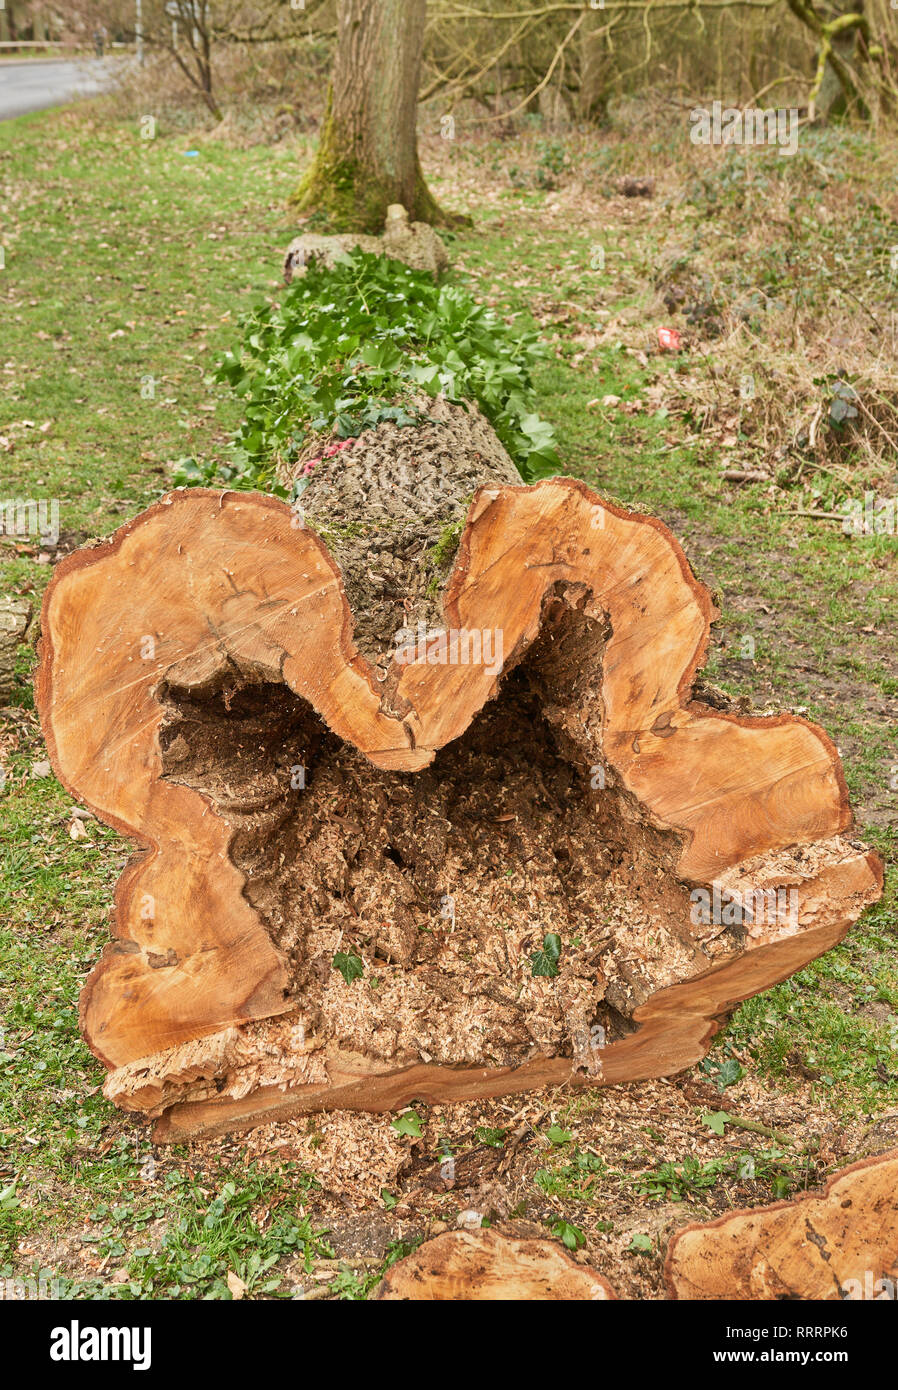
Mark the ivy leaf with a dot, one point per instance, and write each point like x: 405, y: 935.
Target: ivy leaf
x: 492, y: 1138
x: 725, y: 1073
x: 716, y: 1121
x: 350, y: 967
x: 545, y: 962
x: 730, y: 1072
x: 409, y: 1123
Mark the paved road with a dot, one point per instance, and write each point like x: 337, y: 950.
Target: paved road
x: 32, y: 85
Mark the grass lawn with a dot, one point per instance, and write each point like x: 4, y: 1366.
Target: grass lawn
x: 127, y: 262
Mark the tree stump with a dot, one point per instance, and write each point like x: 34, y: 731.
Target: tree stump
x: 842, y: 1244
x: 426, y: 804
x: 479, y: 1266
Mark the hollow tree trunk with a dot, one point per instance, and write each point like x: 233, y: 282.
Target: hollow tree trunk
x: 367, y: 156
x: 502, y: 849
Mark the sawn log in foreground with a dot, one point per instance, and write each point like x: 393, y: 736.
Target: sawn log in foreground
x: 426, y: 805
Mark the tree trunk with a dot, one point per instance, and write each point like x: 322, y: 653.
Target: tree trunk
x: 839, y: 32
x: 593, y: 102
x: 426, y: 805
x: 836, y: 89
x: 485, y: 1266
x: 367, y: 156
x: 841, y: 1244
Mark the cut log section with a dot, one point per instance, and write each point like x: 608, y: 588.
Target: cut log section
x: 476, y: 1266
x: 842, y: 1244
x: 426, y: 804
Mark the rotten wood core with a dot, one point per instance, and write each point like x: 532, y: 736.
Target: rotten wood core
x: 476, y: 1266
x: 841, y: 1244
x: 302, y: 783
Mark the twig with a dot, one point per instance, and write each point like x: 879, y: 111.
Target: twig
x: 755, y: 1127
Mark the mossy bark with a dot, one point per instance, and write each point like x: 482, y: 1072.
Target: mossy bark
x: 367, y: 156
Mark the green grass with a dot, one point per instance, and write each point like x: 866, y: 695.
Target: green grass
x: 125, y: 265
x: 181, y: 1238
x: 814, y: 1017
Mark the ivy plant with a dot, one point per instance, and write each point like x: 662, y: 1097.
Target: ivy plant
x: 350, y: 346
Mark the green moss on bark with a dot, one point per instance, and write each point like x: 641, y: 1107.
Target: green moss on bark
x: 348, y: 196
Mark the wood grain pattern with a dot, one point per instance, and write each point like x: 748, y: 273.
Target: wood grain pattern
x: 479, y: 1266
x: 841, y: 1243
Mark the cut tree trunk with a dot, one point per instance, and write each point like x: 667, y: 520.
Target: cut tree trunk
x: 427, y: 804
x: 367, y: 154
x: 476, y: 1266
x: 841, y: 1244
